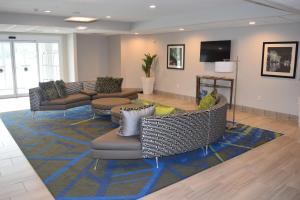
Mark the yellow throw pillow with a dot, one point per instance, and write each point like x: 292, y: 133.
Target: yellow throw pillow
x: 146, y: 103
x: 163, y: 110
x: 207, y: 102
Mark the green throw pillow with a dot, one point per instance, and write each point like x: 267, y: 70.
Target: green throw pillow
x: 48, y: 90
x: 61, y: 88
x: 207, y: 102
x: 163, y: 110
x: 108, y: 84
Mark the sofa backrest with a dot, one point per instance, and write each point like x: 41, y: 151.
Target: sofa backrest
x: 182, y: 132
x: 74, y: 87
x: 89, y: 85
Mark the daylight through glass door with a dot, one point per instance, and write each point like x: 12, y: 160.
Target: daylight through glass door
x: 24, y: 64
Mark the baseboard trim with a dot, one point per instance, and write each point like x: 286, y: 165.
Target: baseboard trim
x: 267, y: 113
x: 178, y: 96
x: 261, y: 112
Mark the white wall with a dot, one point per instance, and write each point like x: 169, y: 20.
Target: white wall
x: 71, y: 56
x: 114, y: 56
x: 92, y: 56
x: 274, y: 94
x: 132, y: 52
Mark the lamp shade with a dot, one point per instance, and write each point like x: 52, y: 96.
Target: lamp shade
x: 225, y: 67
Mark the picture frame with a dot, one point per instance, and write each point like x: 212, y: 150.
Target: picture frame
x: 175, y: 56
x: 279, y: 59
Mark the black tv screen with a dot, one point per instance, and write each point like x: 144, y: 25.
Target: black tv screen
x: 213, y: 51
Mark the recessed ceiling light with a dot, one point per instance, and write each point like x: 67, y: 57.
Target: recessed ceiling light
x: 181, y: 29
x: 107, y: 17
x: 47, y: 11
x: 152, y: 6
x: 81, y: 19
x: 136, y: 33
x: 252, y: 23
x: 81, y: 28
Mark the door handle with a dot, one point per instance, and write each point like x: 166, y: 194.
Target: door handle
x: 25, y: 69
x: 1, y: 70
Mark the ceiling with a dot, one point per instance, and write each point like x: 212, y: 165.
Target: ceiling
x: 130, y: 16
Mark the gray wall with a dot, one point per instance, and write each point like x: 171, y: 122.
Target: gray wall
x: 274, y: 94
x: 92, y: 56
x: 114, y: 56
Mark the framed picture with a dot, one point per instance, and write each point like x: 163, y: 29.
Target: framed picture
x: 279, y: 59
x: 176, y: 56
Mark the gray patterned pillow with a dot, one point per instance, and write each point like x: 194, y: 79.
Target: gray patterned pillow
x: 130, y: 123
x: 89, y: 85
x: 61, y: 88
x: 108, y: 84
x: 48, y: 91
x: 74, y: 87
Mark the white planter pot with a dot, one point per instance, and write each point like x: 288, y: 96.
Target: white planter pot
x: 148, y: 84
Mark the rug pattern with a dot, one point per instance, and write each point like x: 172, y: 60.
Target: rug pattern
x: 58, y: 149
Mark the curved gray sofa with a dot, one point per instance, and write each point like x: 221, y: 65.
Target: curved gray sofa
x: 78, y: 94
x: 165, y: 135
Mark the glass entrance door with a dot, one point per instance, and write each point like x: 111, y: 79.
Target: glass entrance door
x: 26, y: 64
x: 6, y: 70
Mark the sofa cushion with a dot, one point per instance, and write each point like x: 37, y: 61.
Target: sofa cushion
x: 164, y: 110
x: 48, y: 90
x: 88, y: 92
x: 89, y: 85
x: 113, y: 141
x: 124, y: 93
x: 61, y: 88
x: 67, y: 100
x: 108, y: 84
x: 130, y: 123
x: 207, y: 102
x: 74, y: 87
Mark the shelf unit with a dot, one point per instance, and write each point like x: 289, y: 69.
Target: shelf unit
x: 215, y: 85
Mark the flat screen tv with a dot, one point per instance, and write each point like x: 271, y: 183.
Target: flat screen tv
x: 213, y: 51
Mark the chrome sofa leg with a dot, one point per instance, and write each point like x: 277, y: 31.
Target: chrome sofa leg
x: 33, y: 114
x: 65, y: 113
x: 206, y: 149
x: 96, y: 165
x: 156, y: 160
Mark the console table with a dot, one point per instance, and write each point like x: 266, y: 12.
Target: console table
x: 214, y: 84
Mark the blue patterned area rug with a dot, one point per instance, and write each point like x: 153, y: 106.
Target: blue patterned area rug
x: 58, y: 149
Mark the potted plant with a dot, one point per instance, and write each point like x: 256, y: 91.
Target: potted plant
x: 148, y: 81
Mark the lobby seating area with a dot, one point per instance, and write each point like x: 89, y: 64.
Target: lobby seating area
x: 138, y: 99
x: 78, y: 94
x: 165, y: 135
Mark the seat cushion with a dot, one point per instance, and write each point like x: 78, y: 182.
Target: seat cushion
x: 88, y: 92
x: 124, y: 93
x: 67, y: 100
x: 113, y: 141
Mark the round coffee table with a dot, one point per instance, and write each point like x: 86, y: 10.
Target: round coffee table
x: 115, y: 111
x: 103, y: 106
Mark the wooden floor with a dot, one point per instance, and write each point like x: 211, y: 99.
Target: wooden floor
x: 271, y: 171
